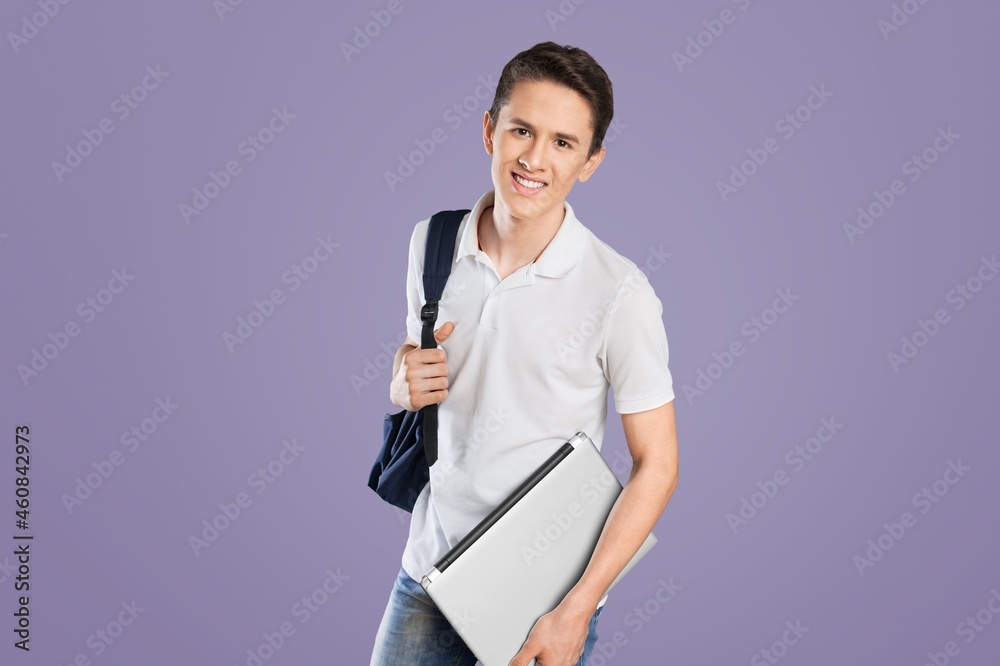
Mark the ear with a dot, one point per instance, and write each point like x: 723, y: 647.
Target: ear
x: 591, y: 165
x: 487, y: 132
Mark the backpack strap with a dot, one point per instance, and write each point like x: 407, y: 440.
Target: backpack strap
x: 439, y: 254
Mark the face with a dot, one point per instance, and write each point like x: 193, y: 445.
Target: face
x: 546, y: 125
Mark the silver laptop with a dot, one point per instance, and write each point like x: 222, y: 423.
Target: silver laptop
x: 519, y: 562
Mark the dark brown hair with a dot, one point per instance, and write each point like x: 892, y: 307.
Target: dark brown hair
x: 566, y: 65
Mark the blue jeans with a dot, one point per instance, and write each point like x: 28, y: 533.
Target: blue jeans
x: 415, y: 633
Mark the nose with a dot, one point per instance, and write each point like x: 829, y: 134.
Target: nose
x: 534, y: 156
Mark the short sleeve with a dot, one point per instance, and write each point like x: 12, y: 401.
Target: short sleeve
x: 414, y: 281
x: 635, y: 352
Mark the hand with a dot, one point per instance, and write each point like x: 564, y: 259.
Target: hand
x: 556, y: 639
x: 422, y: 378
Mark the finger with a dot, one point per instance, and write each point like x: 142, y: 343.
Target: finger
x: 422, y: 399
x: 525, y: 655
x: 429, y: 385
x: 442, y: 333
x: 426, y: 356
x: 426, y: 371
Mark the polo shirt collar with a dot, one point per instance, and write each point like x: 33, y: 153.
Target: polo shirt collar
x: 559, y: 257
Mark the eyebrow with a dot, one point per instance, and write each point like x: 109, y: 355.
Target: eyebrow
x: 559, y: 135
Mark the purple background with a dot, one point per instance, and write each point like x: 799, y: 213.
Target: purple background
x: 679, y: 133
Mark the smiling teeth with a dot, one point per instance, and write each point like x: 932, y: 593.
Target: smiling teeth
x: 528, y: 183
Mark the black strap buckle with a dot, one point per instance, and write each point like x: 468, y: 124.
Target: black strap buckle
x: 429, y: 312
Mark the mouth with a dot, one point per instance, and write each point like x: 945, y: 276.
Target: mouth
x: 526, y: 186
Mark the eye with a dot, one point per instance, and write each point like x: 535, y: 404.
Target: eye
x: 520, y: 129
x: 565, y: 145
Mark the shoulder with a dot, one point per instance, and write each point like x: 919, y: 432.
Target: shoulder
x: 613, y: 267
x: 418, y: 238
x: 418, y: 235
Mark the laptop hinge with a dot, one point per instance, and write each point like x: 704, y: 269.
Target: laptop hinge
x: 429, y: 577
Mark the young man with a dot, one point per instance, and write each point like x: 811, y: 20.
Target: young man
x: 540, y: 319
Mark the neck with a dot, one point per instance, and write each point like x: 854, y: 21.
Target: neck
x: 512, y: 243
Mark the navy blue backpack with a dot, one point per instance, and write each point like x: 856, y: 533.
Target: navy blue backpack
x: 409, y: 445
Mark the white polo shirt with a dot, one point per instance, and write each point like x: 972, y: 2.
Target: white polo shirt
x: 529, y: 364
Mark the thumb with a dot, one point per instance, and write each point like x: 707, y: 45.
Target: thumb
x: 442, y: 333
x: 522, y: 658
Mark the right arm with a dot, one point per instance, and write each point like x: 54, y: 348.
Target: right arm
x: 419, y: 376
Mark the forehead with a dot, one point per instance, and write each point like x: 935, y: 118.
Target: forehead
x: 549, y: 106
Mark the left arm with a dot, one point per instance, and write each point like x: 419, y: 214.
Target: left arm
x: 652, y: 440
